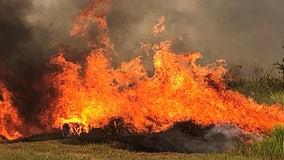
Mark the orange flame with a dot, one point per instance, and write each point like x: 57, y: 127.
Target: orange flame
x: 95, y: 13
x: 10, y: 122
x: 179, y: 91
x: 159, y: 27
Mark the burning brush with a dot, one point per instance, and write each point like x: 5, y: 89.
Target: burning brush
x: 152, y: 110
x: 182, y: 137
x: 74, y: 129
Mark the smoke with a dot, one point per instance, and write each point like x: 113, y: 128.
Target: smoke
x: 246, y: 33
x: 242, y: 32
x: 13, y: 30
x: 17, y: 53
x: 190, y: 138
x: 31, y: 32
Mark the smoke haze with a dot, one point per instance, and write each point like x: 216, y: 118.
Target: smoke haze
x: 242, y: 32
x: 247, y: 32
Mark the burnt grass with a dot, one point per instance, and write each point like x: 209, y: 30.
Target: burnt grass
x: 183, y: 137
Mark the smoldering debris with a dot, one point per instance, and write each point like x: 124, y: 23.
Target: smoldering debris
x: 192, y: 139
x: 183, y: 137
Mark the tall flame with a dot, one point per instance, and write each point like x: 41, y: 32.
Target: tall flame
x: 10, y: 122
x: 180, y: 90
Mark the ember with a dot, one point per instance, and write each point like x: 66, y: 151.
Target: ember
x: 69, y: 129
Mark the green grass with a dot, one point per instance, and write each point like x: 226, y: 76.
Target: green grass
x: 60, y: 150
x: 271, y: 147
x: 277, y: 97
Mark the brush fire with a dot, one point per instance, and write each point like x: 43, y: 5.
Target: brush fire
x: 181, y: 98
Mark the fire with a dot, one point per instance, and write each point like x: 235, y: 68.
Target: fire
x: 10, y: 122
x: 93, y: 93
x: 159, y: 27
x: 180, y: 90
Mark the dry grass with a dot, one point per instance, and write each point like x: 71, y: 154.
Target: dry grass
x: 62, y: 149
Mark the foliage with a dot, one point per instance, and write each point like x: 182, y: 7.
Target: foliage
x: 266, y: 89
x: 271, y: 147
x: 265, y: 86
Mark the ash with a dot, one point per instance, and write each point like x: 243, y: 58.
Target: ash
x: 187, y: 137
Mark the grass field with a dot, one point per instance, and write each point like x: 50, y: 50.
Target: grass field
x: 63, y: 150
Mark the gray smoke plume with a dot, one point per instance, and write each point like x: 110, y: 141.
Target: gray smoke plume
x: 30, y: 32
x: 246, y: 33
x: 17, y: 52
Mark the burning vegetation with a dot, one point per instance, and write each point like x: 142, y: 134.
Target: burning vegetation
x: 82, y: 96
x: 10, y: 122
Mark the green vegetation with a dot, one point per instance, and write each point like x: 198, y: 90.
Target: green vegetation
x: 280, y: 66
x: 271, y: 147
x: 266, y: 89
